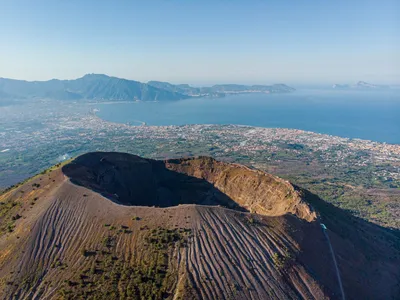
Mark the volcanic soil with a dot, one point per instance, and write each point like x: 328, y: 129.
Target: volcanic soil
x: 114, y: 225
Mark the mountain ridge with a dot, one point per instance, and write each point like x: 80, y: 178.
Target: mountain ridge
x: 101, y: 87
x: 222, y: 89
x: 91, y: 86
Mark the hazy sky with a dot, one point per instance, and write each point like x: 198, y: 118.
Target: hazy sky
x: 199, y: 42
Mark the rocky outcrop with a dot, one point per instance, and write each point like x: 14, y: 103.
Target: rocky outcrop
x: 254, y: 190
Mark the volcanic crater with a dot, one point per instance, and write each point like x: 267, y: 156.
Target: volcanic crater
x: 134, y: 181
x: 109, y: 225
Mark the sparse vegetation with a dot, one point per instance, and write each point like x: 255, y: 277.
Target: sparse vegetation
x: 112, y: 264
x: 282, y: 261
x: 109, y: 242
x: 162, y: 238
x: 16, y: 217
x: 8, y: 215
x: 113, y: 277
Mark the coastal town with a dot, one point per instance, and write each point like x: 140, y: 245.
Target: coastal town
x: 333, y: 167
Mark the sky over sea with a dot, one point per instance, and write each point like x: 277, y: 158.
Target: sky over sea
x: 202, y: 42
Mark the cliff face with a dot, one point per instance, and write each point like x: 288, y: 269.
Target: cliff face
x: 132, y: 180
x: 114, y: 225
x: 256, y: 191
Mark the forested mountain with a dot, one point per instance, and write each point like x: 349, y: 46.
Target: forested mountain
x: 91, y: 87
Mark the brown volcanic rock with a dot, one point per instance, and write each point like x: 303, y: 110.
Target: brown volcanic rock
x: 132, y: 180
x: 257, y: 191
x: 181, y: 229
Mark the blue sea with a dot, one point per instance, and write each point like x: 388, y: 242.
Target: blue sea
x: 371, y: 115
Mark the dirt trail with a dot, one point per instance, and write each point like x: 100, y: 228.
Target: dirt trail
x: 339, y: 278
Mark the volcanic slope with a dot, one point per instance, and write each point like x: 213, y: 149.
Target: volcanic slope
x: 114, y: 225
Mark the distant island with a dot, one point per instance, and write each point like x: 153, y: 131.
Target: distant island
x: 99, y: 87
x: 361, y: 85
